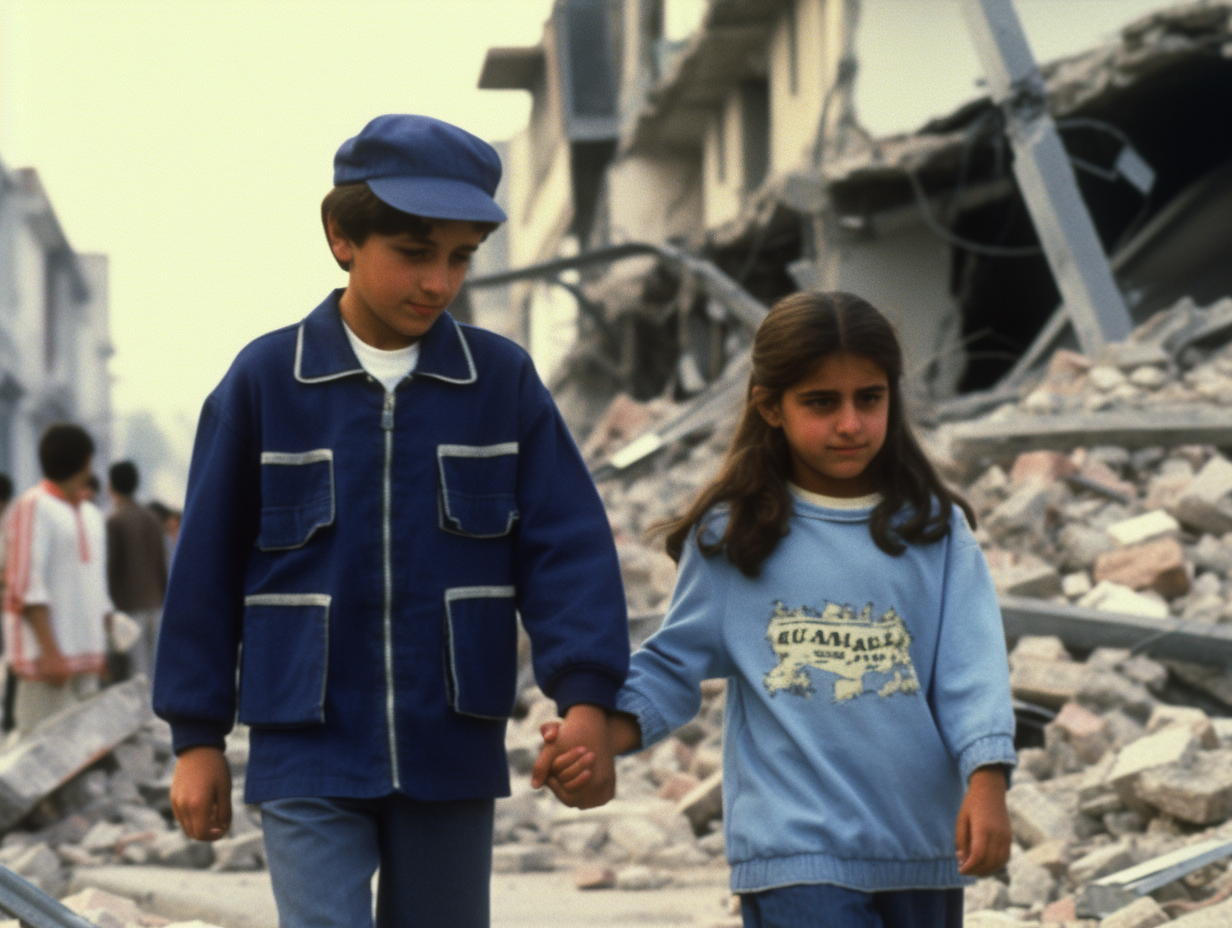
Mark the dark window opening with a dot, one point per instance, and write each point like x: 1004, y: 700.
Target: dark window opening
x: 755, y: 131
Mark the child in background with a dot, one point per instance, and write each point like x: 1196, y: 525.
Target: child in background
x: 830, y: 576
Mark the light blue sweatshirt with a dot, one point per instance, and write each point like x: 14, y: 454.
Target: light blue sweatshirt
x: 863, y: 690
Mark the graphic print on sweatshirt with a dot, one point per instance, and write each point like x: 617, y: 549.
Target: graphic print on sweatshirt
x: 842, y: 643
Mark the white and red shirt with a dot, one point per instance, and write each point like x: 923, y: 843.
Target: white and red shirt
x: 57, y: 558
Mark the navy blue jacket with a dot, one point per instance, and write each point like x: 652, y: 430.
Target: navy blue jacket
x: 371, y: 552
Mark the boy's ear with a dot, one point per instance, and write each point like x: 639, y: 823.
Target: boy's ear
x: 339, y: 244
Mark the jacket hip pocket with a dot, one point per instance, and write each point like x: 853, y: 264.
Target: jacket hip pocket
x: 478, y: 489
x: 481, y: 650
x: 297, y: 497
x: 285, y: 660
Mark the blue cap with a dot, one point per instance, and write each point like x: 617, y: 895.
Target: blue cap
x: 424, y: 166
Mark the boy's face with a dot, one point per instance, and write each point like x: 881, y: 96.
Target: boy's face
x: 399, y: 284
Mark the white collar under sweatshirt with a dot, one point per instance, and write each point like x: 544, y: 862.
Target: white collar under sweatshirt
x: 863, y: 690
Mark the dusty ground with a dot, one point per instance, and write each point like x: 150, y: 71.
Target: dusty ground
x: 541, y: 900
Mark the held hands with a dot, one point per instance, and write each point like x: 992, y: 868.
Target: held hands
x: 201, y: 793
x: 579, y: 748
x: 982, y: 837
x: 566, y: 771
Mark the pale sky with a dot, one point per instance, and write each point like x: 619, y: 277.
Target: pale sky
x: 192, y: 141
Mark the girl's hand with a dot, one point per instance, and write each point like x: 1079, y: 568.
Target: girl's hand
x: 561, y: 772
x: 983, y: 835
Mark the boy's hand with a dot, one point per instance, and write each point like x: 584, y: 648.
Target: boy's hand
x: 201, y: 793
x: 585, y: 726
x: 983, y: 835
x: 566, y: 771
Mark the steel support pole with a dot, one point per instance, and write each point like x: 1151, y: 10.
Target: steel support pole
x: 1046, y: 177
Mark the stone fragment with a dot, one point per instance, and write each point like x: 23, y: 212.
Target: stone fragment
x: 523, y: 858
x: 636, y: 835
x: 1076, y: 584
x: 176, y: 849
x: 1083, y: 729
x: 1146, y: 527
x: 640, y: 878
x: 1167, y: 746
x: 1039, y: 647
x: 1158, y: 565
x: 987, y: 893
x: 41, y: 866
x: 239, y: 852
x: 1148, y: 377
x: 125, y: 910
x: 580, y: 837
x: 1024, y: 511
x: 1108, y: 596
x: 594, y: 876
x: 1047, y: 683
x: 1141, y: 913
x: 1080, y: 545
x: 1036, y: 580
x: 1196, y: 789
x: 1206, y: 502
x: 1053, y: 856
x: 1142, y: 669
x: 704, y: 803
x: 1213, y: 554
x: 67, y: 744
x: 1101, y: 862
x: 1035, y: 818
x: 1029, y: 882
x: 1104, y: 377
x: 1197, y: 721
x: 102, y: 837
x: 1059, y: 910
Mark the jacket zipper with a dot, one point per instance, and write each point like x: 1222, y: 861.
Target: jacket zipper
x: 387, y: 425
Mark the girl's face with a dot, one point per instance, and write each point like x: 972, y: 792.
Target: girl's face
x: 835, y: 423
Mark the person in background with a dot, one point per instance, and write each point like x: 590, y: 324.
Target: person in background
x: 169, y: 519
x: 136, y: 564
x: 89, y: 493
x: 55, y: 598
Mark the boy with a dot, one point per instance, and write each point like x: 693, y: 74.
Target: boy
x: 55, y: 602
x: 375, y: 494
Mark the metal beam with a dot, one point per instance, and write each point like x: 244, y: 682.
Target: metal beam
x: 1046, y: 177
x: 1143, y: 428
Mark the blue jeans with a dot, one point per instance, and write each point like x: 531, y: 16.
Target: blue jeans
x: 822, y: 905
x: 435, y: 860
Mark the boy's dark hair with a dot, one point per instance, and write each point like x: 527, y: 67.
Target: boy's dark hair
x: 800, y: 331
x: 359, y: 213
x: 123, y: 477
x: 64, y: 450
x: 6, y: 489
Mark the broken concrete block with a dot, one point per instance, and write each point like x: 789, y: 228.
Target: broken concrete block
x: 241, y: 852
x: 1076, y: 584
x: 176, y: 849
x: 1039, y: 647
x: 1167, y: 746
x: 1198, y: 722
x: 1081, y: 728
x: 1024, y: 511
x: 1101, y: 862
x: 66, y: 744
x: 1196, y: 789
x: 1206, y: 502
x: 41, y: 866
x: 636, y: 835
x: 1039, y: 581
x: 1146, y: 527
x: 1080, y: 545
x: 704, y: 803
x: 1108, y: 596
x: 1035, y: 818
x: 1029, y: 882
x: 1142, y: 669
x: 988, y: 893
x: 640, y: 878
x: 1047, y: 683
x: 1105, y: 377
x: 1142, y: 913
x: 1053, y: 856
x: 102, y: 837
x: 1158, y: 565
x: 523, y: 858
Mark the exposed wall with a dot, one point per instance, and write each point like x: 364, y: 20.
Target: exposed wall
x: 654, y: 199
x: 800, y: 72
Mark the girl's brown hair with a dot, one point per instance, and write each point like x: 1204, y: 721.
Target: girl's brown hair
x: 799, y: 332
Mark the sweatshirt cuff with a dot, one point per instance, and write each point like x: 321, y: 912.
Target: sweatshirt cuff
x: 185, y: 735
x: 985, y: 752
x: 654, y: 727
x: 584, y: 686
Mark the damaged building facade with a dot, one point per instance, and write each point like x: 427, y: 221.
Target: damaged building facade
x: 741, y: 144
x: 55, y: 342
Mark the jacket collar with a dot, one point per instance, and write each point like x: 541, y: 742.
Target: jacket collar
x: 323, y: 353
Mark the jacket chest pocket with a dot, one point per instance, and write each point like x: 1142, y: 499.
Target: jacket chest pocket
x: 297, y: 497
x: 481, y: 650
x: 478, y: 489
x: 285, y: 660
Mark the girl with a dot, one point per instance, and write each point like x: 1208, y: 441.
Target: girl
x: 831, y: 577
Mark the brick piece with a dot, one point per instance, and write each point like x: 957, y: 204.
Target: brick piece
x: 1206, y: 502
x: 1059, y: 910
x: 1146, y: 527
x: 594, y: 876
x: 1082, y: 728
x: 1044, y: 465
x: 1158, y: 565
x: 1196, y: 789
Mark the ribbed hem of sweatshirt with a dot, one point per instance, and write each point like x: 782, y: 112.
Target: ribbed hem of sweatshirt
x: 653, y: 727
x: 750, y: 876
x: 994, y: 749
